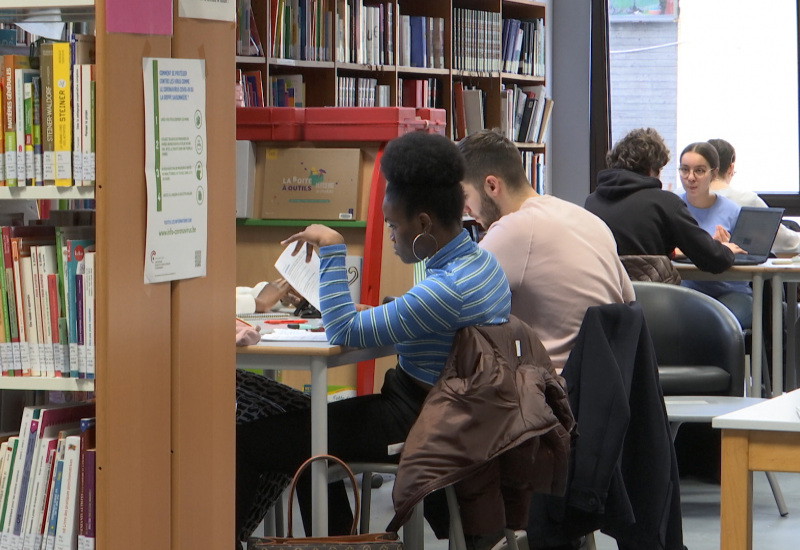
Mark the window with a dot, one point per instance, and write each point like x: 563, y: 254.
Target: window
x: 703, y: 69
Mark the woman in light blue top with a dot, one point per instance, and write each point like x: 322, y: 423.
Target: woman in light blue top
x: 464, y: 285
x: 717, y: 215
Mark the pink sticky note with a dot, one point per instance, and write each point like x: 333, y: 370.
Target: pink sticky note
x: 139, y: 16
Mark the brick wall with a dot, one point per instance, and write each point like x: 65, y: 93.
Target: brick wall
x: 643, y: 65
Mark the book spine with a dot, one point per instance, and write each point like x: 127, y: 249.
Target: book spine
x: 89, y: 312
x: 19, y: 106
x: 28, y: 274
x: 20, y: 303
x: 27, y: 89
x: 67, y: 523
x: 5, y: 479
x: 38, y: 178
x: 52, y: 291
x: 48, y: 120
x: 10, y: 117
x: 79, y: 321
x: 29, y: 459
x: 55, y: 499
x: 77, y: 133
x: 62, y: 123
x: 88, y: 123
x: 11, y: 303
x: 87, y: 539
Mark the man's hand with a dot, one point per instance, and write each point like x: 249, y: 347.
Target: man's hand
x: 315, y: 235
x: 735, y: 248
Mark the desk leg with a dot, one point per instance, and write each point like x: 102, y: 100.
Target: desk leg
x: 758, y: 335
x: 319, y: 445
x: 777, y: 335
x: 736, y: 492
x: 789, y: 326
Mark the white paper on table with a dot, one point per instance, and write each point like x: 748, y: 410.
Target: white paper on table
x: 294, y: 335
x: 301, y: 275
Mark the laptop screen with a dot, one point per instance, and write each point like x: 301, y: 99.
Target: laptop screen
x: 756, y: 228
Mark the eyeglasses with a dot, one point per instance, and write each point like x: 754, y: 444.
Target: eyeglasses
x: 698, y: 171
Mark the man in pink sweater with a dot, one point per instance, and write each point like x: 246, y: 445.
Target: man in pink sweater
x: 559, y: 258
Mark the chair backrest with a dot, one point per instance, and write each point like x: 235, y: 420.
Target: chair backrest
x: 698, y: 342
x: 650, y: 268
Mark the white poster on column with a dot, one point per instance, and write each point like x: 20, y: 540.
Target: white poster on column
x: 218, y: 10
x: 175, y: 169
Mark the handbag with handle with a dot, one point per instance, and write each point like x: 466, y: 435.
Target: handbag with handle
x: 353, y: 541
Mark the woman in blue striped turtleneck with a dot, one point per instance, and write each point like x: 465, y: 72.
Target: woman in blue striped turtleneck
x: 463, y: 286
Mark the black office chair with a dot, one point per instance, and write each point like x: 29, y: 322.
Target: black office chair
x: 699, y: 347
x: 698, y: 342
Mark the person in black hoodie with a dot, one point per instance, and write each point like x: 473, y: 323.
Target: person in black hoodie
x: 645, y: 219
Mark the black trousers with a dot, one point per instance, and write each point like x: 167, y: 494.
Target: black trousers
x: 360, y: 429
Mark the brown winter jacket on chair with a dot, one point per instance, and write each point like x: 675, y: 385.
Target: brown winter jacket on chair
x: 497, y: 422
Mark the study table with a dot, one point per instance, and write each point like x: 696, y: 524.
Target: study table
x: 778, y: 273
x: 762, y: 437
x: 316, y: 357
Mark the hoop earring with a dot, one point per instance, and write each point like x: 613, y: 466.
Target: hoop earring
x: 414, y: 245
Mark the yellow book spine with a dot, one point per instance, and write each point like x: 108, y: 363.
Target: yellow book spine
x: 62, y: 123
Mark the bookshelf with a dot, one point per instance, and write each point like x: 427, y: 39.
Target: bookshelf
x: 165, y: 358
x: 487, y: 76
x: 254, y: 236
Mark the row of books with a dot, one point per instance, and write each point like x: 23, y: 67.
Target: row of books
x: 361, y: 92
x: 534, y: 170
x: 422, y: 42
x: 284, y: 90
x: 287, y: 90
x: 47, y: 480
x: 365, y: 34
x: 476, y: 40
x: 47, y: 294
x: 301, y: 29
x: 523, y: 46
x: 525, y: 113
x: 249, y: 89
x: 420, y: 93
x: 248, y: 41
x: 48, y: 115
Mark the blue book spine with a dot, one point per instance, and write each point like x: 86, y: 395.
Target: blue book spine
x: 419, y: 52
x: 52, y: 520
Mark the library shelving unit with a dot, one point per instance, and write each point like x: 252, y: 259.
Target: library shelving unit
x: 321, y: 77
x: 322, y: 90
x: 165, y: 359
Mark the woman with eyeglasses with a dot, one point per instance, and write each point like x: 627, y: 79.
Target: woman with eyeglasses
x: 645, y: 219
x: 699, y: 165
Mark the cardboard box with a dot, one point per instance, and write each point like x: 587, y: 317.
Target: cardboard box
x: 311, y: 184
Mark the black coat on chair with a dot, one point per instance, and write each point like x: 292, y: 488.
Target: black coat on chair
x: 623, y: 476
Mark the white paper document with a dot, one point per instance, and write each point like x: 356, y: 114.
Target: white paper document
x: 301, y: 275
x: 294, y: 335
x: 175, y: 169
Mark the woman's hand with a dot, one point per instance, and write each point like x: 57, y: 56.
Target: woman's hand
x: 315, y: 235
x: 722, y: 235
x: 278, y: 289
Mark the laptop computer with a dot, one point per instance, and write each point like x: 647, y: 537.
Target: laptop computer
x: 755, y: 231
